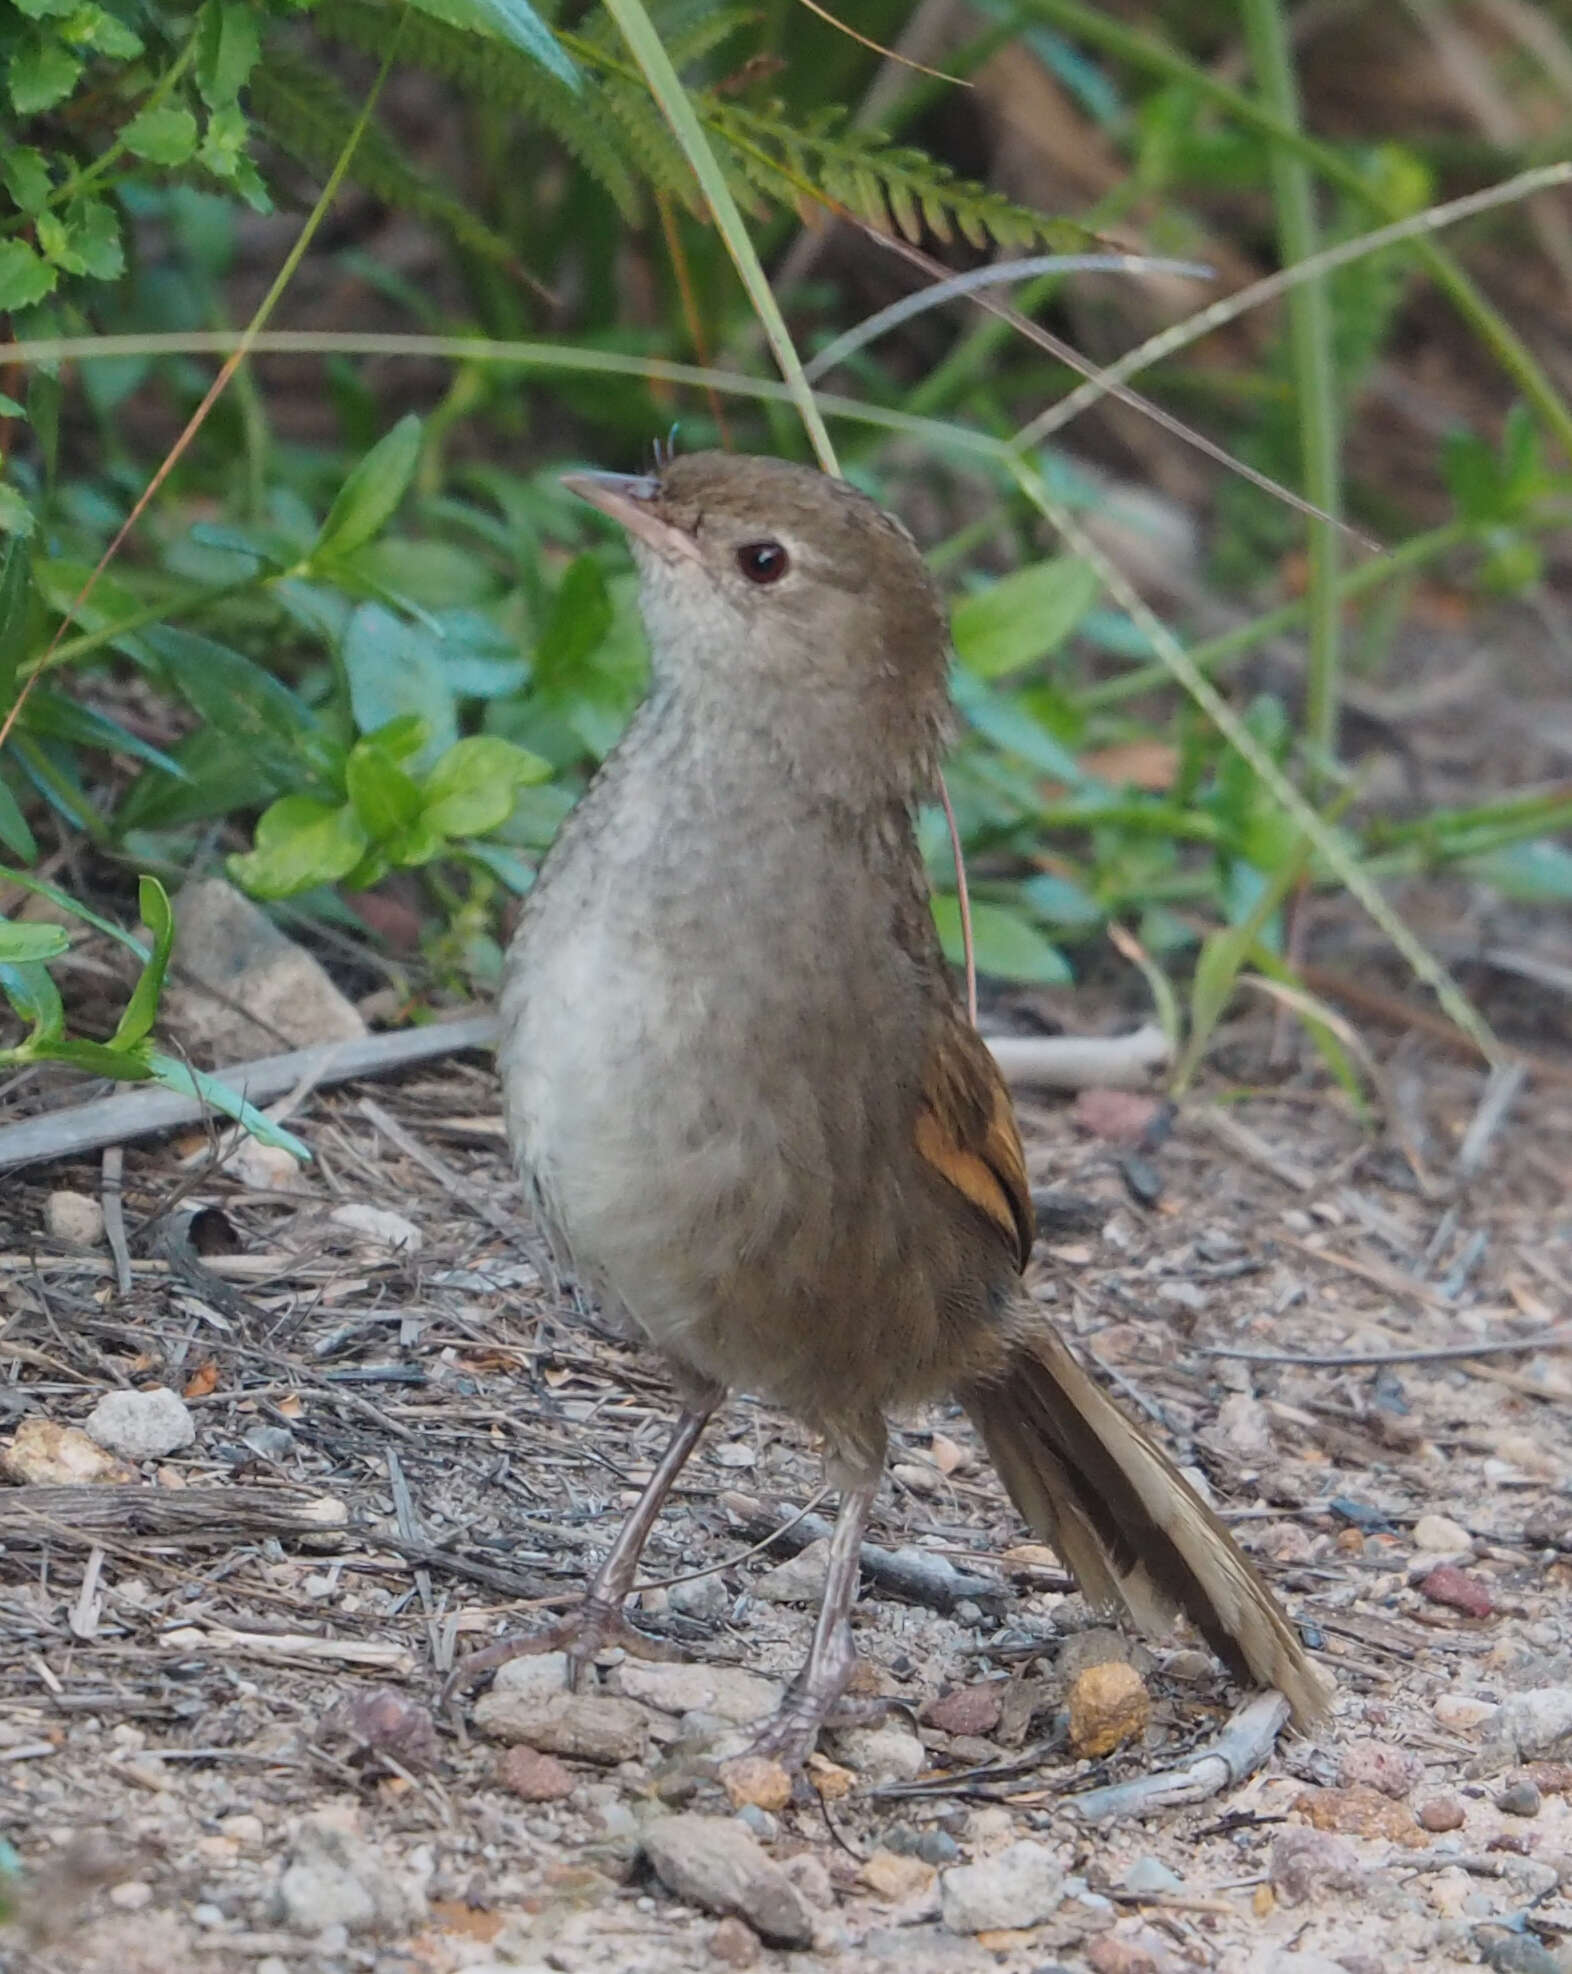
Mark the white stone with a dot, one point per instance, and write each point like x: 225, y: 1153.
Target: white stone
x: 77, y: 1219
x: 141, y: 1425
x: 533, y: 1672
x: 1015, y: 1888
x: 800, y: 1579
x: 880, y: 1754
x: 717, y: 1863
x: 1440, y: 1535
x: 725, y: 1691
x: 379, y: 1225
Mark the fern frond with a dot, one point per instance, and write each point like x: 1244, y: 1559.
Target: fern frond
x: 304, y: 112
x: 891, y: 186
x: 496, y: 74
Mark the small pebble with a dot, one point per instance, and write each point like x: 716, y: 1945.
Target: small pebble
x: 1305, y: 1861
x: 937, y: 1847
x: 1359, y: 1811
x: 1441, y: 1813
x: 378, y: 1225
x: 76, y: 1219
x: 1458, y: 1590
x: 1441, y: 1535
x: 131, y: 1896
x: 894, y: 1878
x: 764, y: 1826
x: 141, y: 1425
x: 968, y: 1710
x: 755, y: 1781
x: 1378, y: 1765
x: 1149, y: 1875
x: 734, y: 1943
x: 534, y: 1777
x: 1109, y: 1705
x: 1519, y: 1798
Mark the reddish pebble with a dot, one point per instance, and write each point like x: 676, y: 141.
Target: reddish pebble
x: 1447, y: 1584
x: 1441, y: 1813
x: 534, y: 1777
x: 968, y: 1710
x: 1118, y: 1117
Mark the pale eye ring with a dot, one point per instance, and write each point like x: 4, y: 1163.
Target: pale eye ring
x: 763, y: 562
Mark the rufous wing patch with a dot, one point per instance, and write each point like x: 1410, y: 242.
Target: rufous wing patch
x: 966, y: 1131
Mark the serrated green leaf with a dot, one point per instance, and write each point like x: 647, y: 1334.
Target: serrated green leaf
x: 27, y: 941
x: 228, y: 45
x: 472, y: 788
x: 25, y: 173
x: 39, y: 74
x: 163, y: 135
x: 300, y: 843
x: 1023, y: 616
x: 512, y: 21
x: 16, y: 517
x: 1007, y: 944
x: 367, y: 499
x: 25, y: 277
x: 95, y: 27
x: 94, y: 235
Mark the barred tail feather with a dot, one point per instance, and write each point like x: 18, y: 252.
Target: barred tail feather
x: 1135, y: 1534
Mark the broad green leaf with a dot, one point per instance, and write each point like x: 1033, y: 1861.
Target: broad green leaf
x: 25, y: 278
x: 228, y: 45
x: 581, y: 615
x: 1008, y: 946
x: 394, y: 668
x: 385, y: 798
x: 164, y: 135
x: 27, y: 941
x: 35, y: 997
x: 25, y: 173
x: 513, y: 21
x: 1001, y: 718
x: 472, y: 788
x: 1060, y: 902
x: 300, y: 843
x: 367, y: 499
x: 153, y: 903
x: 40, y: 72
x: 189, y: 1082
x: 60, y: 718
x: 280, y: 734
x: 95, y: 239
x: 16, y: 517
x: 42, y: 888
x: 1217, y: 967
x: 433, y: 574
x: 95, y: 27
x: 1022, y: 616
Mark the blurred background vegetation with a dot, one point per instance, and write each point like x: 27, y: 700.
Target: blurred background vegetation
x: 360, y: 652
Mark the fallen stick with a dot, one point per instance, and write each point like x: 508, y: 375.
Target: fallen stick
x: 144, y: 1108
x: 1241, y: 1748
x: 1060, y: 1062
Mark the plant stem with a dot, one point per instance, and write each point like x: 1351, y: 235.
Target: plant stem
x: 1310, y: 336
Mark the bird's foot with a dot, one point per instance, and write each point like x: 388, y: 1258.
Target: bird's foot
x: 792, y: 1732
x: 596, y: 1626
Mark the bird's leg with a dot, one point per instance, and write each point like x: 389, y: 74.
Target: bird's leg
x: 810, y: 1699
x: 598, y: 1621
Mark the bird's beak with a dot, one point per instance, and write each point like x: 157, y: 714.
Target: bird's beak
x: 634, y: 500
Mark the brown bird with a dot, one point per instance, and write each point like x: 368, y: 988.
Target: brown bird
x: 749, y: 1107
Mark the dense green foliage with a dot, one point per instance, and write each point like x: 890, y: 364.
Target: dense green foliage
x: 402, y: 649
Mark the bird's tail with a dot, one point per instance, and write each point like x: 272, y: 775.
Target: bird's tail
x: 1136, y: 1535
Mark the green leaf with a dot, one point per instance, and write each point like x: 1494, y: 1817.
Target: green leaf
x: 14, y: 832
x: 35, y: 997
x: 394, y: 668
x: 1007, y: 944
x: 282, y: 736
x: 581, y: 615
x: 15, y: 573
x: 95, y: 27
x: 300, y: 843
x: 385, y: 798
x: 512, y: 21
x: 16, y: 517
x: 39, y: 74
x: 228, y: 45
x: 1536, y: 873
x: 1003, y: 719
x: 472, y: 788
x: 42, y: 888
x: 1023, y: 616
x: 26, y: 176
x: 163, y: 135
x: 367, y: 499
x: 25, y: 278
x: 95, y: 239
x: 153, y: 903
x: 91, y: 1058
x: 31, y: 942
x: 189, y: 1082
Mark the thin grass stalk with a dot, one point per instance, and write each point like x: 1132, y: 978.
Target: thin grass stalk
x: 1310, y: 341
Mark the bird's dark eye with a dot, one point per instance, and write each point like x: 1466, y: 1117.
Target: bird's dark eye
x: 763, y: 561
